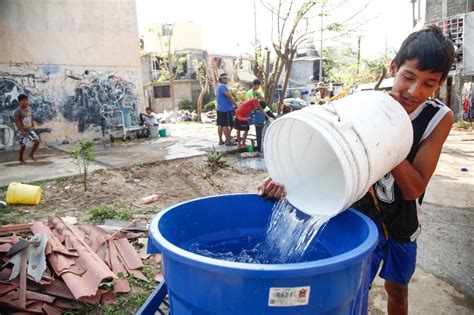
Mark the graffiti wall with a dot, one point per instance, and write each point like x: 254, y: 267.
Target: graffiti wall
x: 67, y: 103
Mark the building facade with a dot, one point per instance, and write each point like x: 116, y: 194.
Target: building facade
x: 186, y: 47
x: 456, y: 18
x: 76, y: 61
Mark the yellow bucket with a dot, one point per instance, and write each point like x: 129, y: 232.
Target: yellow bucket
x: 23, y: 194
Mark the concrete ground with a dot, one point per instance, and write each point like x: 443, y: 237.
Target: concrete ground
x: 185, y: 140
x: 443, y: 282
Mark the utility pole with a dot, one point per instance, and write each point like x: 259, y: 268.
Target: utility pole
x: 255, y: 20
x: 358, y: 55
x: 321, y: 46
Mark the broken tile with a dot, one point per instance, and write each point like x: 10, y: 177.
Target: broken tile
x: 4, y: 248
x: 108, y: 298
x: 128, y: 254
x: 7, y: 287
x: 31, y: 295
x: 68, y: 304
x: 120, y: 284
x: 51, y: 310
x: 87, y: 284
x: 11, y: 228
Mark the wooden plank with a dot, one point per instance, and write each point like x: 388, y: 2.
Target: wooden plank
x: 23, y: 274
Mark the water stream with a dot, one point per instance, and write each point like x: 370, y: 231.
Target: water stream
x: 288, y: 236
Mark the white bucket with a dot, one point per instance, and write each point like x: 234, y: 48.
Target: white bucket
x: 154, y: 132
x: 328, y: 156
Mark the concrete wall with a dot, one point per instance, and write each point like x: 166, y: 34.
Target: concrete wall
x: 438, y: 9
x: 469, y: 43
x: 182, y: 88
x: 47, y: 46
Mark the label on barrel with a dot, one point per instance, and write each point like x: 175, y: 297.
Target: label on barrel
x: 288, y: 296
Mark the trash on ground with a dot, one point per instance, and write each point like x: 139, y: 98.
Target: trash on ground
x: 48, y: 268
x: 18, y: 193
x: 150, y: 199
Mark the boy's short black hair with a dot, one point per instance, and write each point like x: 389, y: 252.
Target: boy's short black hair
x: 22, y: 96
x: 433, y: 50
x: 256, y: 82
x: 262, y: 104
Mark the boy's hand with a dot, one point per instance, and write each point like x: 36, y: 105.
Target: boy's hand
x: 269, y: 189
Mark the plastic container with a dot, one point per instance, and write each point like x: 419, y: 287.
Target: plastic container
x: 331, y: 282
x: 162, y: 132
x: 18, y: 193
x: 150, y: 199
x: 328, y: 156
x: 154, y: 132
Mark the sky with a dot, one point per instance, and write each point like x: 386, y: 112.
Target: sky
x: 228, y: 25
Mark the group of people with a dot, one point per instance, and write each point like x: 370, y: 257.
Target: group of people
x: 231, y: 115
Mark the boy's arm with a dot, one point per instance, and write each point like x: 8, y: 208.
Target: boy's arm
x: 263, y: 111
x: 412, y: 178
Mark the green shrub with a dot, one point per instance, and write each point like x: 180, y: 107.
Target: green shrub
x: 185, y: 104
x: 210, y: 106
x: 82, y: 154
x: 102, y: 212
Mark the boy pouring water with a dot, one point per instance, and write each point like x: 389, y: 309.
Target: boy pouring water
x: 394, y: 202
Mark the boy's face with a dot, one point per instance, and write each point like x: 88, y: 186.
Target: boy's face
x: 256, y: 87
x: 24, y: 103
x: 414, y: 86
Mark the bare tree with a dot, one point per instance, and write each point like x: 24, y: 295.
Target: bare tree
x: 167, y: 58
x: 293, y: 26
x: 286, y: 44
x: 203, y: 75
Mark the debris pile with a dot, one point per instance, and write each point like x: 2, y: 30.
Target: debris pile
x: 46, y: 268
x: 185, y: 115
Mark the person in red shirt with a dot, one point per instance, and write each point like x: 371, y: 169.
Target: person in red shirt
x: 242, y: 115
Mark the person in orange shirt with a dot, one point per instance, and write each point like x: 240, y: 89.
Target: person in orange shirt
x: 242, y: 115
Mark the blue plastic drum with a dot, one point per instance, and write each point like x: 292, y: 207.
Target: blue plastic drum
x: 332, y: 282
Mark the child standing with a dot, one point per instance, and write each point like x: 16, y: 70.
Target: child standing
x: 24, y: 123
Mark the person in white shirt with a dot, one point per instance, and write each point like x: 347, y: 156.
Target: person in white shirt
x: 149, y: 119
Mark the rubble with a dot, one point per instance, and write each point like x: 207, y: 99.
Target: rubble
x: 185, y: 115
x: 47, y: 268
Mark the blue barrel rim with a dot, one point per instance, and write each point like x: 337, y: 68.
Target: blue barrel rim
x: 320, y: 266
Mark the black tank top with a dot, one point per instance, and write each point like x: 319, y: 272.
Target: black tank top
x: 400, y: 216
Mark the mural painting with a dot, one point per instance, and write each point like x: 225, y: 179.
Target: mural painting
x: 87, y: 99
x: 11, y: 86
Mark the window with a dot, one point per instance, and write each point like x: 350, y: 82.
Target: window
x: 454, y: 29
x: 167, y: 29
x: 162, y: 91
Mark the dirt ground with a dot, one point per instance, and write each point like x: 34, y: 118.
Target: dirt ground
x: 174, y: 182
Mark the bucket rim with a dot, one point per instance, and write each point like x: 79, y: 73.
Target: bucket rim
x: 261, y: 270
x: 330, y: 137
